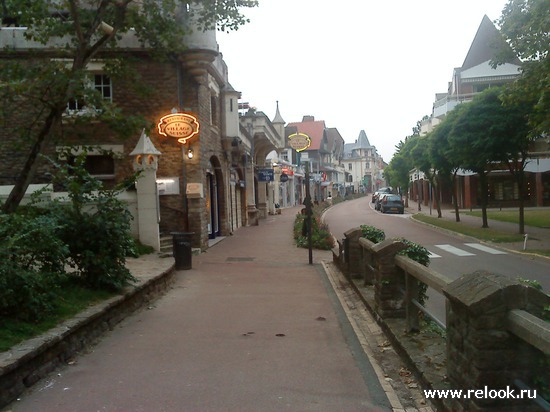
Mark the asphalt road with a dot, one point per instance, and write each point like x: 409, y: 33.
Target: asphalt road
x: 453, y: 255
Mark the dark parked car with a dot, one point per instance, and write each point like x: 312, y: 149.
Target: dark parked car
x: 379, y: 199
x: 380, y: 191
x: 392, y: 203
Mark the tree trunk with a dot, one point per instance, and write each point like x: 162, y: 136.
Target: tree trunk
x: 455, y: 197
x: 520, y: 177
x: 437, y: 196
x: 29, y: 169
x: 484, y: 199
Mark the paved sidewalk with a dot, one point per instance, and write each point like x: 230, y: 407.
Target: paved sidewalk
x: 252, y: 327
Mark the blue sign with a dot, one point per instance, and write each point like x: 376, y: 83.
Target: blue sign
x: 265, y: 175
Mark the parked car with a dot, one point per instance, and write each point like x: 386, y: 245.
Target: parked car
x: 392, y: 203
x: 380, y: 191
x: 379, y: 199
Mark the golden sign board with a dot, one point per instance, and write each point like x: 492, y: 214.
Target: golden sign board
x: 181, y: 126
x: 299, y: 141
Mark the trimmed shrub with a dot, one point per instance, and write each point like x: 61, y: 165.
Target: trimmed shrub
x: 373, y: 234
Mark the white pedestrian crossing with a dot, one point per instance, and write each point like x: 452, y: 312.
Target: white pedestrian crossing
x: 487, y: 249
x: 454, y: 250
x: 457, y: 251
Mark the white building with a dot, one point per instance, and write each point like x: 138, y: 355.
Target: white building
x: 363, y: 165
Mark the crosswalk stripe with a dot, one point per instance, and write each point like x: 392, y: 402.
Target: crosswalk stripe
x: 455, y: 250
x: 433, y: 255
x: 487, y: 249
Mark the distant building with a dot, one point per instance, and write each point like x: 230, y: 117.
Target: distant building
x: 323, y: 156
x: 474, y: 76
x: 364, y: 166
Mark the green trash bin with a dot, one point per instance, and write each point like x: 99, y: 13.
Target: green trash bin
x: 181, y: 242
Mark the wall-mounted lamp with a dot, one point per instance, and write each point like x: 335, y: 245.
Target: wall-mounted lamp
x: 190, y: 153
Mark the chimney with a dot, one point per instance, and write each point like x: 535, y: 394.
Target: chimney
x: 308, y: 118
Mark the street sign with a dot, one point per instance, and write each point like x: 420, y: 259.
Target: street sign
x: 265, y: 175
x: 284, y: 177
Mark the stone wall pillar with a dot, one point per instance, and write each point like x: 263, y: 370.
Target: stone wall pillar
x: 390, y: 281
x: 262, y: 199
x: 145, y: 160
x: 481, y: 353
x: 252, y: 214
x: 352, y: 252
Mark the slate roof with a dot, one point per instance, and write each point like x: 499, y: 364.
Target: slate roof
x: 487, y: 42
x: 362, y: 142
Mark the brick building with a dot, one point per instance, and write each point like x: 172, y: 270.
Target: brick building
x: 208, y: 185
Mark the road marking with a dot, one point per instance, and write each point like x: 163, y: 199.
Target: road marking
x: 486, y: 249
x: 454, y: 250
x: 433, y: 255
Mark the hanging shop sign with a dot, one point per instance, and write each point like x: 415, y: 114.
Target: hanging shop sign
x: 266, y: 175
x: 181, y: 126
x: 299, y: 141
x: 284, y: 177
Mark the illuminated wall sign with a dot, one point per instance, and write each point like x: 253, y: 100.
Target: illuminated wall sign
x: 181, y: 126
x: 299, y: 141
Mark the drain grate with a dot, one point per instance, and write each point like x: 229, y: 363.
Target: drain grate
x: 239, y: 259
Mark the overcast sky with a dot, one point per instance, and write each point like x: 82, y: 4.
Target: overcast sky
x: 356, y: 64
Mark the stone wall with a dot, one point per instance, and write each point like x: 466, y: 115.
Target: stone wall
x: 34, y: 359
x: 482, y: 352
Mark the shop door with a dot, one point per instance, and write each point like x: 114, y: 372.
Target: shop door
x: 213, y: 205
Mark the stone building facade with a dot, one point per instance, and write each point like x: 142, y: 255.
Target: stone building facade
x: 211, y: 193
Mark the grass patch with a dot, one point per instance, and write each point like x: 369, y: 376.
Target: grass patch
x: 487, y: 234
x: 74, y: 299
x: 541, y: 252
x: 535, y: 218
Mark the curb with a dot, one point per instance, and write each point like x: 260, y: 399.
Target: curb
x: 34, y: 359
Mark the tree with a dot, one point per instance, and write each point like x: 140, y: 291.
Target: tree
x: 480, y: 138
x: 397, y: 172
x: 526, y: 26
x: 424, y: 162
x: 444, y: 161
x: 81, y: 30
x: 513, y: 131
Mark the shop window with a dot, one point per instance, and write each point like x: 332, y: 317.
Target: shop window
x: 506, y: 190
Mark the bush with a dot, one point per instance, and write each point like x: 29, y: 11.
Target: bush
x: 96, y: 228
x: 31, y: 265
x: 373, y: 234
x: 421, y: 255
x: 416, y: 252
x: 321, y: 238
